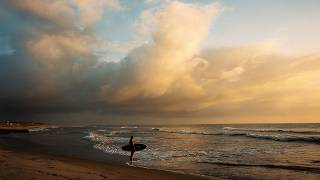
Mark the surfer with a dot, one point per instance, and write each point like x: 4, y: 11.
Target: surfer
x: 133, y: 149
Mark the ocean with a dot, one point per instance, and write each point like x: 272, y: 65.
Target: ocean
x: 247, y: 151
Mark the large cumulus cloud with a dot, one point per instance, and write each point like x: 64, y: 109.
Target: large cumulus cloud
x: 53, y: 43
x: 54, y: 69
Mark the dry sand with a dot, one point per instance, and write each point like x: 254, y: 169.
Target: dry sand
x: 22, y: 165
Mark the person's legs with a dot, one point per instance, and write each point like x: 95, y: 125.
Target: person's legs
x: 131, y: 157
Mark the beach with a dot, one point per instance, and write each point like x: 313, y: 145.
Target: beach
x: 25, y: 165
x: 159, y: 89
x: 248, y: 151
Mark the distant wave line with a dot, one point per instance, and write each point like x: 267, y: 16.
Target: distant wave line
x: 271, y: 130
x: 185, y: 132
x: 310, y: 139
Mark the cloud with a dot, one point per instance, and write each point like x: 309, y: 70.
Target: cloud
x: 149, y: 1
x: 5, y: 47
x: 151, y: 70
x: 47, y: 10
x: 55, y: 68
x: 248, y: 81
x: 92, y: 10
x: 67, y: 12
x: 56, y: 47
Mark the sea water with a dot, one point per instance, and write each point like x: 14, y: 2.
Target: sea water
x: 264, y: 151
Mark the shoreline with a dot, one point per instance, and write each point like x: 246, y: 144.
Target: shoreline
x: 16, y: 164
x: 7, y: 127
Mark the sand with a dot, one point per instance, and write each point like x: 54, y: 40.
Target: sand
x: 22, y: 165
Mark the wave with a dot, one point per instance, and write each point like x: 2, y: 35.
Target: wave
x: 129, y: 127
x: 273, y: 166
x: 101, y: 130
x: 185, y: 131
x: 107, y: 144
x: 272, y: 130
x: 95, y: 137
x: 38, y: 129
x: 110, y: 149
x: 281, y: 138
x: 112, y: 133
x: 309, y: 139
x: 43, y: 128
x: 101, y: 143
x: 105, y: 139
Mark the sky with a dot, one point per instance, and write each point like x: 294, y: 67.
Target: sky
x: 160, y: 61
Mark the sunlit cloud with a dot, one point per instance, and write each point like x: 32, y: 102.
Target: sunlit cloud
x: 67, y: 12
x: 60, y: 68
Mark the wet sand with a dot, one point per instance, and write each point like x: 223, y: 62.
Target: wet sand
x: 24, y: 165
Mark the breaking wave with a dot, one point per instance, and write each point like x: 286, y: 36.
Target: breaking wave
x: 105, y: 143
x: 43, y: 128
x: 101, y: 138
x: 309, y: 139
x: 273, y: 130
x: 111, y: 149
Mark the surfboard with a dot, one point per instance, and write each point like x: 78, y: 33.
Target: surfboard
x: 138, y: 147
